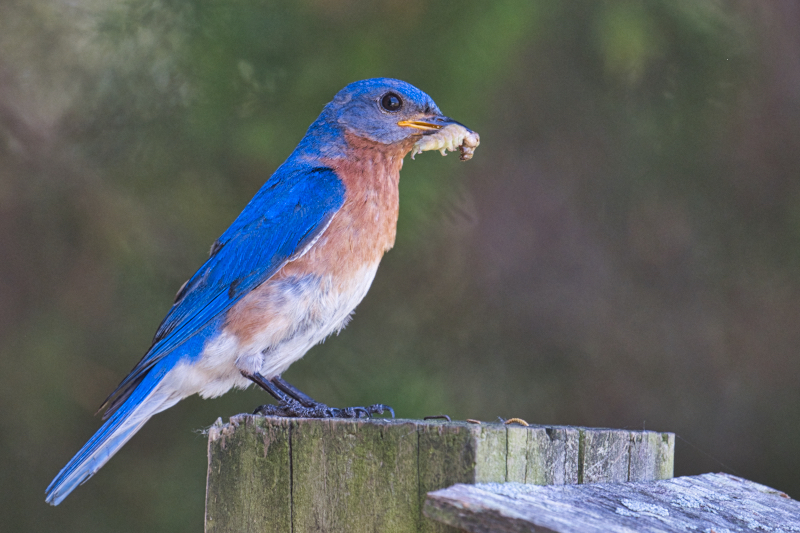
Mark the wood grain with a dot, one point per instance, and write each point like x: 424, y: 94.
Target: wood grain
x: 710, y: 502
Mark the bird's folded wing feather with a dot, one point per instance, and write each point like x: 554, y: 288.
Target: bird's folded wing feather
x: 286, y: 215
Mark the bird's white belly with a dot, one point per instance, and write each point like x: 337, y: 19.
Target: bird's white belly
x: 288, y: 316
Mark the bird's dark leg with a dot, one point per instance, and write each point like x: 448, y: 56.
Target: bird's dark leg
x: 294, y: 392
x: 296, y: 404
x: 266, y: 384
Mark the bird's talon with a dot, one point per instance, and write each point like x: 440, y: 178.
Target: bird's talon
x: 378, y: 409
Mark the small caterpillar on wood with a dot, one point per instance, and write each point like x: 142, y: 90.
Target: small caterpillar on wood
x: 448, y: 139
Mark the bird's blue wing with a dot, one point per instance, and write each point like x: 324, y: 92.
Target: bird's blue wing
x: 286, y: 215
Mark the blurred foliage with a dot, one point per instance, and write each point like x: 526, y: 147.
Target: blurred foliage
x: 622, y: 251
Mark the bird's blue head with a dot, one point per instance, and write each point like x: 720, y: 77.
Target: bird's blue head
x: 382, y: 110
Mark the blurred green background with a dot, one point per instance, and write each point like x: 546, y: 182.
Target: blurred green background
x: 623, y: 250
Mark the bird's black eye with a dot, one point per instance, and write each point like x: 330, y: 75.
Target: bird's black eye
x: 391, y: 102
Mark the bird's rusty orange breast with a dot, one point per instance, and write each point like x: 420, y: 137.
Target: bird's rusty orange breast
x: 348, y: 251
x: 365, y: 226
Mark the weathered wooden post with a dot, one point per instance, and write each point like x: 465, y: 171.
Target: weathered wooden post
x: 274, y: 474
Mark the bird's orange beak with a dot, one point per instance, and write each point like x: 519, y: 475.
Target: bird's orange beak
x: 420, y: 125
x: 429, y: 124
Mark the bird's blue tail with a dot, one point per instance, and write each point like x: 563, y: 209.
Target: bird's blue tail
x: 144, y: 402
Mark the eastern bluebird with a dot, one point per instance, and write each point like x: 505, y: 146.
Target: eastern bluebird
x: 287, y: 273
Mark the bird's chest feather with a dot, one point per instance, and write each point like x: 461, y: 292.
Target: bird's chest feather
x: 272, y: 327
x: 313, y: 295
x: 365, y: 226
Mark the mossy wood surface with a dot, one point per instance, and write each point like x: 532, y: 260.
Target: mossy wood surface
x: 272, y: 474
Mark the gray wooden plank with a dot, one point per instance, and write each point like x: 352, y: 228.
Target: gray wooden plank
x: 604, y: 455
x: 517, y: 445
x: 354, y: 476
x: 651, y: 456
x: 491, y: 452
x: 247, y: 487
x: 457, y: 452
x: 572, y: 454
x: 543, y: 455
x: 710, y: 502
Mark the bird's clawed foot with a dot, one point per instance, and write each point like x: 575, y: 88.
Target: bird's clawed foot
x: 379, y: 408
x: 293, y: 403
x: 293, y: 409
